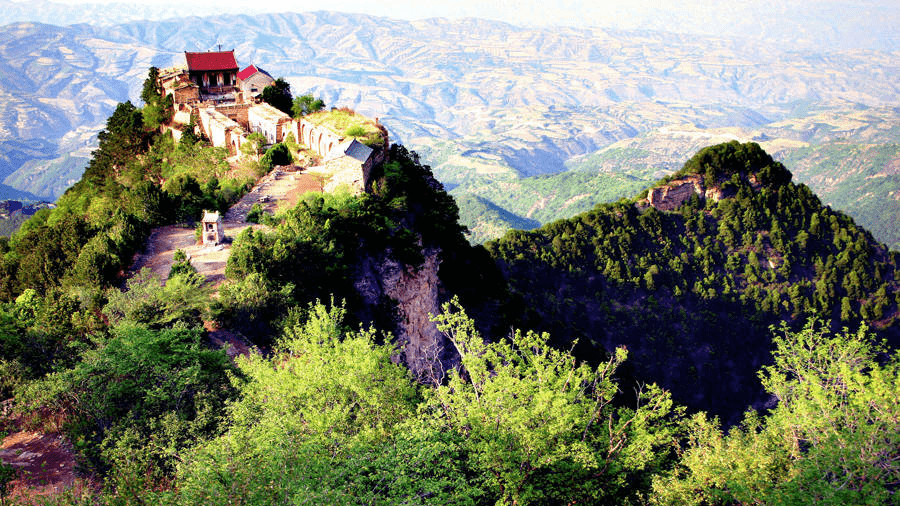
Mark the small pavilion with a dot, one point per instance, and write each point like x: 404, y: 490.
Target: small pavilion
x: 213, y: 231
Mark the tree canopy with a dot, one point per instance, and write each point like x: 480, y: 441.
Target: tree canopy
x: 278, y: 95
x: 306, y: 104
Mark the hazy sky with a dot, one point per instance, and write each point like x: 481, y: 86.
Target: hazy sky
x: 570, y: 12
x: 804, y: 23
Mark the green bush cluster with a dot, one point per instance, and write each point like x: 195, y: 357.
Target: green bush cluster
x: 136, y: 179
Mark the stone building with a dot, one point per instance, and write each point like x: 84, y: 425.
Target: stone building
x: 177, y: 83
x: 214, y: 72
x: 349, y: 164
x: 213, y: 231
x: 221, y: 130
x: 253, y: 80
x: 269, y: 121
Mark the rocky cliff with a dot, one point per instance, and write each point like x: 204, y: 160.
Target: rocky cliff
x: 672, y: 195
x: 407, y: 297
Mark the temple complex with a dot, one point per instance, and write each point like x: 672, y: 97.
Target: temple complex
x: 226, y: 106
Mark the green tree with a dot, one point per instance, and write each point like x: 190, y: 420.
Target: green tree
x: 540, y: 427
x: 278, y: 95
x: 182, y: 301
x: 254, y: 146
x: 157, y: 106
x: 139, y: 395
x: 832, y: 439
x: 181, y: 265
x: 310, y: 422
x: 279, y: 154
x: 306, y: 104
x: 189, y: 135
x: 152, y: 89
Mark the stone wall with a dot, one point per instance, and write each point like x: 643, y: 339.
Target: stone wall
x: 349, y: 172
x: 269, y: 121
x: 186, y: 95
x: 319, y: 139
x: 236, y: 112
x: 221, y: 130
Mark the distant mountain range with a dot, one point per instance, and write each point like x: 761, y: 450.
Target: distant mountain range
x: 489, y: 104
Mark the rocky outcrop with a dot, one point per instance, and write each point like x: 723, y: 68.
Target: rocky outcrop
x: 675, y: 193
x: 672, y: 195
x: 409, y: 295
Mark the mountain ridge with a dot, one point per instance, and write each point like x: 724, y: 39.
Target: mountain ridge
x: 469, y: 97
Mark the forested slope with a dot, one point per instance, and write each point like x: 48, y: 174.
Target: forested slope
x: 692, y: 292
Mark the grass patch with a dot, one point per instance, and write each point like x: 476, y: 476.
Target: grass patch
x: 350, y: 124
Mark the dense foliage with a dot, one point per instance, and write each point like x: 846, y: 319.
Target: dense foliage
x: 137, y: 178
x: 832, y: 439
x: 690, y: 291
x: 328, y: 413
x: 330, y: 419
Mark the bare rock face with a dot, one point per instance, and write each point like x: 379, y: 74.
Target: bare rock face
x: 412, y: 294
x: 676, y: 193
x: 715, y: 194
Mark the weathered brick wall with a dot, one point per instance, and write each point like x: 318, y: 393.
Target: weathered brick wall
x: 236, y: 112
x: 186, y: 95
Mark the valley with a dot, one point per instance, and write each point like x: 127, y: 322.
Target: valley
x: 487, y: 104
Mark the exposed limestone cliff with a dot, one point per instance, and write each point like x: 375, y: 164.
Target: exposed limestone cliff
x: 675, y: 193
x: 408, y: 295
x: 670, y: 196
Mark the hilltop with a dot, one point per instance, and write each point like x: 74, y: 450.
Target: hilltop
x: 690, y: 275
x: 385, y: 366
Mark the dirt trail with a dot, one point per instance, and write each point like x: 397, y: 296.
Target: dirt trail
x: 44, y: 463
x: 281, y: 188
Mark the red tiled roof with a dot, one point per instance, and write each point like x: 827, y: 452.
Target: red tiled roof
x: 247, y: 72
x: 211, y: 60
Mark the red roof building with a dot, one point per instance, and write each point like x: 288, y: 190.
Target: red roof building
x: 211, y: 61
x: 252, y: 80
x: 215, y: 72
x: 247, y: 72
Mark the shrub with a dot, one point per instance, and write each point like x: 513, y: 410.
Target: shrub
x: 355, y: 131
